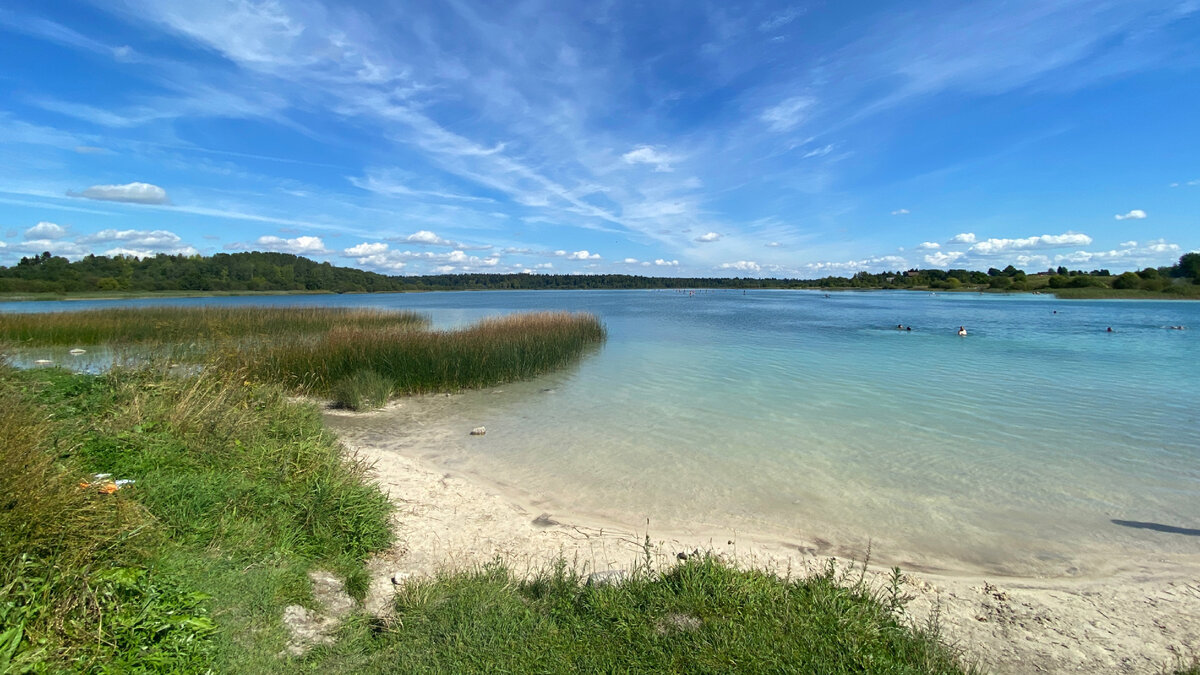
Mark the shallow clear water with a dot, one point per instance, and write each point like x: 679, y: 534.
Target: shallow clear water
x: 812, y: 419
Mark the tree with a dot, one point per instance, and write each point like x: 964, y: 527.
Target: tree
x: 1188, y: 267
x: 1127, y: 280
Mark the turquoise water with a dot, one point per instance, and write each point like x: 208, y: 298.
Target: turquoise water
x: 811, y: 419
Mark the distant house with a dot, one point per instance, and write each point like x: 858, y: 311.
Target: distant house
x: 912, y: 273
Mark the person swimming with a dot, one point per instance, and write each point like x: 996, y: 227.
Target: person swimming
x: 1109, y: 329
x: 962, y: 331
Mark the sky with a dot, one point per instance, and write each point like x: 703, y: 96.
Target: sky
x: 658, y: 138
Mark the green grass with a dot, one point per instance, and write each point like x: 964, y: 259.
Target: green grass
x: 362, y: 390
x: 184, y: 325
x: 238, y: 493
x: 490, y: 352
x: 702, y: 616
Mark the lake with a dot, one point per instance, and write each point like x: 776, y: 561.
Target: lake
x: 1039, y: 444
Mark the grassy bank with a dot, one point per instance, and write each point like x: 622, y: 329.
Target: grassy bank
x: 239, y: 492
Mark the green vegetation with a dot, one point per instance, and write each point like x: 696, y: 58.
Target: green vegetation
x: 701, y: 616
x: 490, y: 352
x: 282, y: 272
x: 175, y: 325
x: 362, y: 390
x: 240, y: 492
x: 237, y: 493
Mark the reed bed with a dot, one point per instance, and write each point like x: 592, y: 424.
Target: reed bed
x: 183, y: 325
x: 490, y: 352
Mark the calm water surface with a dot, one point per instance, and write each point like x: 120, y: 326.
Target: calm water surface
x: 801, y: 417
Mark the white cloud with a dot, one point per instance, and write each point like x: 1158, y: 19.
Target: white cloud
x: 929, y: 246
x: 900, y: 212
x: 998, y: 246
x: 741, y: 265
x: 781, y: 19
x: 583, y: 255
x: 1135, y: 214
x: 298, y: 246
x: 647, y: 154
x: 818, y: 152
x: 164, y: 240
x: 773, y: 244
x: 630, y: 261
x: 788, y: 114
x: 1128, y: 244
x: 964, y: 238
x: 133, y: 193
x: 943, y: 259
x: 876, y: 263
x: 149, y: 252
x: 427, y: 237
x: 707, y: 237
x: 666, y: 263
x: 365, y: 249
x: 45, y: 230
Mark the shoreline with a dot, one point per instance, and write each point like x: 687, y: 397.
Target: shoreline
x: 1138, y: 619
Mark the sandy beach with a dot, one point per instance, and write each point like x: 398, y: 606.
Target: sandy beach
x: 1142, y: 618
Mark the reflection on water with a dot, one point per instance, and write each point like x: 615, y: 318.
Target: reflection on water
x: 1025, y: 447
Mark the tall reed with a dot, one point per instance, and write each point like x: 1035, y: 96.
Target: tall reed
x: 166, y: 325
x: 490, y: 352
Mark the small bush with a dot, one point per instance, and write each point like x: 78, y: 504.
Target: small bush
x: 362, y: 390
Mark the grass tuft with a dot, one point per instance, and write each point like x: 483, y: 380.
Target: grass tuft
x: 363, y: 390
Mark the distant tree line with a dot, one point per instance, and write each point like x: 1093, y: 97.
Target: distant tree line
x: 258, y: 271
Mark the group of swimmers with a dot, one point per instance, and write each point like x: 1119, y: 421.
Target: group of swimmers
x: 962, y: 330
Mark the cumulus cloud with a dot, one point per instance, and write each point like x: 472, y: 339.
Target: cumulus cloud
x: 707, y: 237
x: 133, y: 193
x: 666, y: 263
x: 929, y: 246
x: 1128, y: 244
x: 1135, y: 214
x: 943, y: 258
x: 365, y: 249
x: 648, y: 154
x: 427, y: 237
x: 297, y: 246
x: 149, y: 252
x: 583, y: 255
x: 45, y: 230
x: 998, y: 246
x: 630, y: 261
x: 163, y: 240
x: 900, y: 212
x: 788, y: 114
x: 877, y: 262
x: 964, y: 238
x: 773, y: 244
x: 741, y: 265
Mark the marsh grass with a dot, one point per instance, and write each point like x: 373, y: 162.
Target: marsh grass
x: 364, y: 389
x: 487, y: 353
x: 185, y: 325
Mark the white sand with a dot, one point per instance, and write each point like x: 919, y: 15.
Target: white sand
x: 1139, y: 619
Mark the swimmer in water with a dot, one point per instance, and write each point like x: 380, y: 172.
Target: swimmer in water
x: 962, y: 331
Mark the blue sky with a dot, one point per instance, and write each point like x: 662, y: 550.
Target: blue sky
x: 662, y: 138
